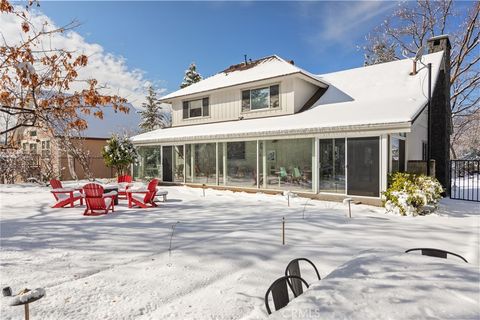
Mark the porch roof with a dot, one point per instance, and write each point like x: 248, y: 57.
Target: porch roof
x: 382, y: 96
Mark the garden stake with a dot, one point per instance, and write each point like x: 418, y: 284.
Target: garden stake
x: 203, y: 187
x: 27, y: 312
x: 349, y: 200
x: 283, y: 231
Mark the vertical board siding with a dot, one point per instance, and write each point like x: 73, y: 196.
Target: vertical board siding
x: 225, y: 104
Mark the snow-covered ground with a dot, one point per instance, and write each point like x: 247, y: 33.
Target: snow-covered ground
x: 226, y: 250
x: 467, y: 187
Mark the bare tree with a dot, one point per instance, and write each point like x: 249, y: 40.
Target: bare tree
x: 409, y: 28
x: 37, y: 79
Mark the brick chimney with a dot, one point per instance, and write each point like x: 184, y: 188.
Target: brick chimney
x: 441, y: 114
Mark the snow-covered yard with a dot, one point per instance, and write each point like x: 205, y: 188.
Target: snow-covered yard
x: 226, y: 250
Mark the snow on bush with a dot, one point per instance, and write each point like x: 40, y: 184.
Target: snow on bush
x: 119, y: 153
x: 408, y: 194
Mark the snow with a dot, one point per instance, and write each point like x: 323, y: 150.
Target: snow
x: 270, y: 67
x: 225, y: 250
x: 27, y: 297
x: 414, y: 287
x: 379, y: 96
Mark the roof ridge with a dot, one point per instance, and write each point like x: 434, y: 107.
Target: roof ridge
x: 374, y: 65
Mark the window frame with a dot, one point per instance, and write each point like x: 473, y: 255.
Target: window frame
x: 202, y: 108
x: 265, y: 86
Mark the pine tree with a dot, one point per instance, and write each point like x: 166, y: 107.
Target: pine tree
x: 153, y: 116
x: 191, y: 76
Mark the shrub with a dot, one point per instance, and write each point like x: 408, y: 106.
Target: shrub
x: 119, y: 153
x: 408, y: 194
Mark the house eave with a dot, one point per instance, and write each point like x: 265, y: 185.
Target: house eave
x: 404, y: 126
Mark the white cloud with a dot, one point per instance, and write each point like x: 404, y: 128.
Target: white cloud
x: 110, y: 70
x: 342, y: 22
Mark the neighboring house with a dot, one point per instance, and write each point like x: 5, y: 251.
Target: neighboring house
x: 269, y: 125
x: 52, y: 159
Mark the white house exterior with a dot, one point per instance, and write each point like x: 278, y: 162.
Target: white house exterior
x: 268, y: 125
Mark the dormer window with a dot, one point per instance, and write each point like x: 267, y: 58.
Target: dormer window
x: 196, y: 108
x: 260, y: 98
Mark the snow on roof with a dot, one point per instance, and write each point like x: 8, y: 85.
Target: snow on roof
x: 382, y: 95
x: 112, y: 122
x: 265, y: 68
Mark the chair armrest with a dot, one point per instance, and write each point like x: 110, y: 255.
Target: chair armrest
x: 137, y: 191
x: 110, y: 194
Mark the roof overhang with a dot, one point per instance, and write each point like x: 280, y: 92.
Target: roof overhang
x: 364, y: 129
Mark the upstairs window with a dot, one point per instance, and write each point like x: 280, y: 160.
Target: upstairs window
x: 196, y: 108
x: 46, y: 148
x: 260, y: 98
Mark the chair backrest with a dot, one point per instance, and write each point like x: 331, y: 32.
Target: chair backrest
x: 283, y: 172
x: 124, y: 178
x: 293, y: 269
x: 94, y: 196
x: 438, y: 253
x: 279, y: 289
x: 296, y: 172
x: 56, y: 184
x: 152, y: 191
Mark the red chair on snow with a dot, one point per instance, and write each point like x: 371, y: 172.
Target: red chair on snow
x: 96, y: 199
x: 64, y: 196
x: 143, y: 198
x: 123, y: 185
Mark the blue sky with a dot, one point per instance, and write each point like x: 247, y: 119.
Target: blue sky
x: 162, y: 38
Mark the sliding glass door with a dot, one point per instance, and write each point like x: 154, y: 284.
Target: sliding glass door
x: 363, y: 166
x: 332, y: 165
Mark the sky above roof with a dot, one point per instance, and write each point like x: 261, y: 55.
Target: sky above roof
x: 154, y: 42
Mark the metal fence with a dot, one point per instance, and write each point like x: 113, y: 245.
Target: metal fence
x: 465, y: 180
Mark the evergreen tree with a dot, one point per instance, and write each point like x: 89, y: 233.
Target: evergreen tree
x: 191, y: 76
x: 119, y: 153
x: 153, y: 116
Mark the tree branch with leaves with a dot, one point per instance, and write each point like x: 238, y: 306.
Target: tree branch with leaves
x: 38, y: 80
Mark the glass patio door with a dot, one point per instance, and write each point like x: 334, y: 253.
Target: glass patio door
x: 167, y: 164
x: 332, y: 165
x: 363, y: 166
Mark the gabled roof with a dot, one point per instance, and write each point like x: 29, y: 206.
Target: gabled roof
x: 113, y: 122
x: 381, y: 96
x: 265, y: 68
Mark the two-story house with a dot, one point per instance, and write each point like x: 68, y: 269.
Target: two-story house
x: 270, y: 125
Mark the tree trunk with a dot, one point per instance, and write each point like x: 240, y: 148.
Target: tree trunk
x: 71, y: 166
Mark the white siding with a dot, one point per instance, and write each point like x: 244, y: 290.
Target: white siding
x: 226, y: 104
x: 303, y: 91
x: 416, y: 137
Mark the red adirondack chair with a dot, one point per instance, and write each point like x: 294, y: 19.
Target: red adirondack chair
x: 123, y: 185
x: 143, y: 197
x: 64, y: 196
x: 96, y: 199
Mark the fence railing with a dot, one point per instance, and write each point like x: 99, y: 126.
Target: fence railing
x: 465, y: 180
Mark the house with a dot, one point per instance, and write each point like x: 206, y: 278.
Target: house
x: 53, y: 161
x: 268, y: 125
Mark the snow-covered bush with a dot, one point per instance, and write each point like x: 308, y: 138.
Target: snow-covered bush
x: 119, y: 153
x: 408, y: 194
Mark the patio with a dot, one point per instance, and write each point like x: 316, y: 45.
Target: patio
x: 225, y: 251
